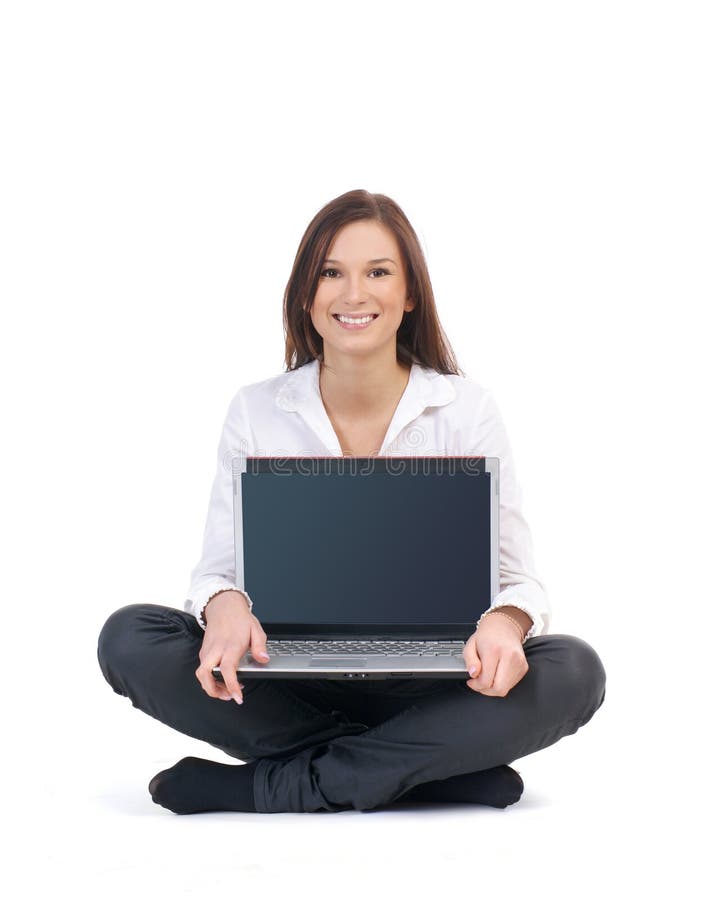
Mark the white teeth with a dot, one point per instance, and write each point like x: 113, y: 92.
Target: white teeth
x: 349, y: 321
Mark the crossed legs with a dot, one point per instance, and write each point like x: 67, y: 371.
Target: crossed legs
x: 328, y: 745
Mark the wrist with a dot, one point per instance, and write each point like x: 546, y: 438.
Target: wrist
x: 225, y: 598
x: 520, y: 619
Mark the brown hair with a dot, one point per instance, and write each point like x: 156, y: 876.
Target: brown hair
x: 420, y: 337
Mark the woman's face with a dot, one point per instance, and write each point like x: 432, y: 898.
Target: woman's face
x: 362, y: 275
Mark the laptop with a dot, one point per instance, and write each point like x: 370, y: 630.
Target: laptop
x: 366, y: 567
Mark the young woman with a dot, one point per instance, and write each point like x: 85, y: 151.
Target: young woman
x: 369, y: 372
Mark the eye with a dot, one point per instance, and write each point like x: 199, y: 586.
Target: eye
x: 325, y: 272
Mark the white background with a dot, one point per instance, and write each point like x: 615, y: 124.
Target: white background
x: 160, y: 162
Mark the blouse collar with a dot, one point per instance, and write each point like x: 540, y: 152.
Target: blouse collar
x: 299, y: 392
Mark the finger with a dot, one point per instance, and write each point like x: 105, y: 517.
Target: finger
x: 228, y: 668
x: 511, y: 668
x: 222, y: 690
x: 489, y: 663
x: 207, y: 680
x: 224, y: 693
x: 501, y: 678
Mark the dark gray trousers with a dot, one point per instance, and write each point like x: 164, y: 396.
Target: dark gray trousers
x: 323, y: 744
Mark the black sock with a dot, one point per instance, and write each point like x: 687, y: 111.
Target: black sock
x: 497, y: 787
x: 200, y: 785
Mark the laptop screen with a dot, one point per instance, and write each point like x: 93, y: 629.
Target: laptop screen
x: 378, y: 544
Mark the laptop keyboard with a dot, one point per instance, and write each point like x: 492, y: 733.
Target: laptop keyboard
x: 367, y: 648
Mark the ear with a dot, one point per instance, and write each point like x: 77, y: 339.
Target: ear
x: 409, y: 305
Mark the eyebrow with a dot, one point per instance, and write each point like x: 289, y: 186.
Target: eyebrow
x: 371, y: 261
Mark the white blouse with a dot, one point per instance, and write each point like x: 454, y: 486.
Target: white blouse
x: 437, y: 415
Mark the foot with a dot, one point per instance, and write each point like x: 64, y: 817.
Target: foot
x: 497, y: 787
x: 200, y: 785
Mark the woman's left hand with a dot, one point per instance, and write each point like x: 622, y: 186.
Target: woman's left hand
x: 495, y: 649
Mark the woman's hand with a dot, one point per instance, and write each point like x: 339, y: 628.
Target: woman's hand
x: 231, y: 630
x: 496, y: 651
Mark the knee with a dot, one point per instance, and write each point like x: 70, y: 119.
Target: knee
x: 120, y: 640
x: 581, y: 675
x: 586, y: 673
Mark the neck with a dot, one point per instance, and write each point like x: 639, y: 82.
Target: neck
x: 357, y: 387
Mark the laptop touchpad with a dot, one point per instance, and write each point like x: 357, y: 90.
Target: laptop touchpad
x: 342, y: 662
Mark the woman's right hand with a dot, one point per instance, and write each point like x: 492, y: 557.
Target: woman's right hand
x: 231, y: 629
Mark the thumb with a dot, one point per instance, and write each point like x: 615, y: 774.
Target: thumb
x: 472, y: 660
x: 258, y: 645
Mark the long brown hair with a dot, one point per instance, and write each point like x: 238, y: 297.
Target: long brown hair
x: 420, y: 337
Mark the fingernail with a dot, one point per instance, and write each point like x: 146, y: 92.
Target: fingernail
x: 264, y: 654
x: 237, y: 698
x: 472, y: 671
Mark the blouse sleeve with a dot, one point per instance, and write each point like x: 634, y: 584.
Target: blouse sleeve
x: 215, y: 570
x: 520, y: 585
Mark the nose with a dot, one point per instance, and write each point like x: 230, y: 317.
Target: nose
x: 354, y: 289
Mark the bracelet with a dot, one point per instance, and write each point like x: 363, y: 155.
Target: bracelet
x: 495, y: 612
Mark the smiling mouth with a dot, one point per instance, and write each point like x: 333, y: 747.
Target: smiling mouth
x: 355, y: 319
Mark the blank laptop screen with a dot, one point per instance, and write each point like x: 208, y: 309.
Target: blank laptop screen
x: 372, y: 541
